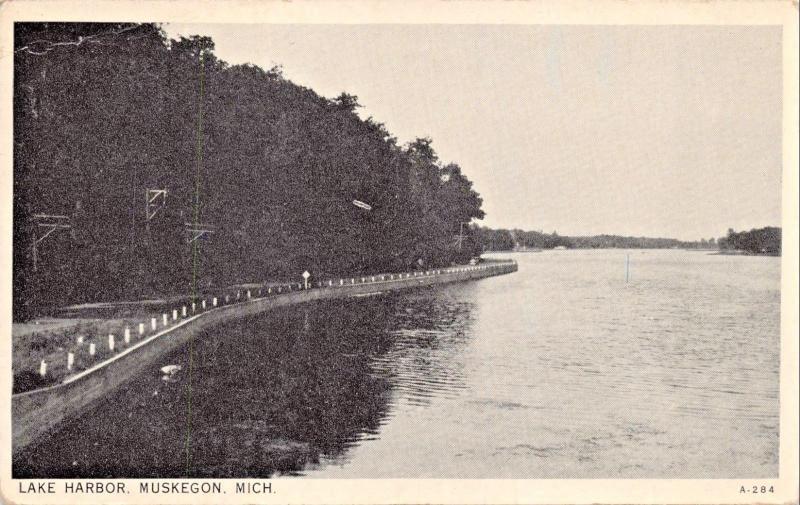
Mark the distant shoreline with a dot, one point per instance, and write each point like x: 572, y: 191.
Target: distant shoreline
x: 744, y: 253
x: 713, y: 252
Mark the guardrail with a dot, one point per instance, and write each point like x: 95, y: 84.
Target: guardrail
x: 36, y: 411
x: 83, y: 357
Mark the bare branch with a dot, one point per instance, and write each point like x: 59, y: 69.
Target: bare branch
x: 32, y: 47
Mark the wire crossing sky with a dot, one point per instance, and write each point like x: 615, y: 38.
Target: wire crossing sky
x: 670, y: 131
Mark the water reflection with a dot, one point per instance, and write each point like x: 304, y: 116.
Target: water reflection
x: 267, y: 394
x: 561, y: 370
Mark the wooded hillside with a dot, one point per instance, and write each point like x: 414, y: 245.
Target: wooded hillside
x: 104, y: 112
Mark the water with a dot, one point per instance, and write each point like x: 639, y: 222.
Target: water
x: 559, y: 370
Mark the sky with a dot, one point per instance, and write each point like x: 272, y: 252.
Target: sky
x: 660, y: 131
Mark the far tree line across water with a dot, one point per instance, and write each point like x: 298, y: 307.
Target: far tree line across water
x: 765, y: 241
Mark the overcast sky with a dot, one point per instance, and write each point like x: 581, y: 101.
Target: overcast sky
x: 656, y: 131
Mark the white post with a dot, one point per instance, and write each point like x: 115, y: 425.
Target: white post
x: 164, y: 319
x: 330, y: 283
x: 227, y: 298
x: 70, y: 360
x: 238, y: 294
x: 43, y: 368
x: 183, y: 311
x: 204, y: 304
x: 352, y: 281
x: 92, y: 349
x: 372, y: 278
x: 627, y: 267
x: 269, y: 291
x: 153, y: 324
x: 111, y: 342
x: 127, y: 335
x: 174, y: 314
x: 248, y: 294
x: 214, y: 301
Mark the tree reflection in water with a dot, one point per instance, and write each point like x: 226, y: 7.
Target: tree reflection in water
x: 267, y: 394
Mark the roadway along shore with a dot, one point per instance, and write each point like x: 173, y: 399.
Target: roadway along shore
x: 137, y: 346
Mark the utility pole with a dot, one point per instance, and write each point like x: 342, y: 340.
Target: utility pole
x: 155, y: 200
x: 50, y: 224
x: 460, y: 237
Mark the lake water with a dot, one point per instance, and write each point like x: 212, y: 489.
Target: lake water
x: 562, y: 369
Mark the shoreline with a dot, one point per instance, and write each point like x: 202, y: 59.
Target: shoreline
x: 37, y: 411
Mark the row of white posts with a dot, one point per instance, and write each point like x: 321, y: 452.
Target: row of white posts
x: 183, y: 313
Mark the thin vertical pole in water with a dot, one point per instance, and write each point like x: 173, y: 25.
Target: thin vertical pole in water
x: 627, y: 267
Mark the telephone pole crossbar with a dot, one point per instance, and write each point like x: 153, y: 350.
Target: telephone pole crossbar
x: 50, y: 223
x: 197, y: 230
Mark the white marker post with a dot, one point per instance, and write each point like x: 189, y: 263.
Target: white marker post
x: 183, y: 311
x: 127, y: 335
x: 627, y: 267
x: 111, y: 342
x: 70, y: 361
x: 92, y: 349
x: 141, y: 329
x: 43, y: 368
x: 214, y: 301
x: 174, y: 314
x: 306, y: 275
x: 153, y: 324
x: 204, y: 305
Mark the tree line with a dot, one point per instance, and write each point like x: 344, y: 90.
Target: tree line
x: 757, y: 241
x: 279, y: 178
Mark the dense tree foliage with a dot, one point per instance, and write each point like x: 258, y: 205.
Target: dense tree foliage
x: 756, y: 241
x: 103, y: 112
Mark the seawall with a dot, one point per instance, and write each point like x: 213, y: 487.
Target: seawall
x: 34, y: 413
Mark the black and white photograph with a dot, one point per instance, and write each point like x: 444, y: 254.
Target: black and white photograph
x: 254, y: 254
